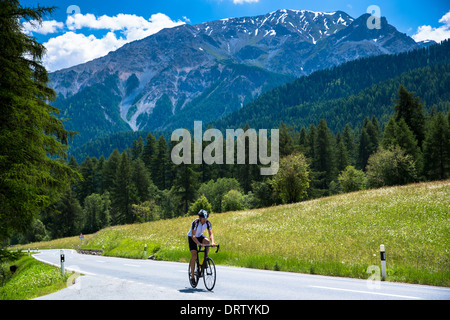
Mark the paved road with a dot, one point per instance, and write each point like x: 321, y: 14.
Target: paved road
x: 108, y: 278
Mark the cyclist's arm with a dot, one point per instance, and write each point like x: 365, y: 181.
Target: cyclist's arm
x: 194, y: 232
x: 211, y: 235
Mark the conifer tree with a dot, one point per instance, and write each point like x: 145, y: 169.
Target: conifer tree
x: 436, y: 148
x: 399, y: 134
x: 124, y: 192
x: 33, y: 141
x: 186, y: 185
x: 410, y: 108
x: 160, y: 164
x: 141, y: 179
x: 311, y: 141
x: 349, y: 141
x: 149, y: 151
x: 138, y: 148
x: 324, y: 155
x: 89, y: 183
x: 302, y: 142
x: 364, y: 150
x: 109, y: 170
x: 285, y: 140
x: 342, y: 156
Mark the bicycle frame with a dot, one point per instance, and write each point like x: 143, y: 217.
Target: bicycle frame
x: 204, y: 246
x: 200, y: 269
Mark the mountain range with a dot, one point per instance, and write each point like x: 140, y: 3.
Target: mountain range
x: 207, y: 71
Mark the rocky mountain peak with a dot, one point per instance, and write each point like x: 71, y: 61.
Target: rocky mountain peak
x: 214, y: 68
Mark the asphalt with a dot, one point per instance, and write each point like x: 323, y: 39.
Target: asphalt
x: 109, y: 278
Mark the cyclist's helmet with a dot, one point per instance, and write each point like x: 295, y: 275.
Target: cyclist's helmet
x: 203, y: 214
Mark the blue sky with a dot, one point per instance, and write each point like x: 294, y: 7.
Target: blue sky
x: 88, y: 36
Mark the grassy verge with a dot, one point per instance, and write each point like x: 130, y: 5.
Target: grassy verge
x: 339, y: 235
x: 32, y: 279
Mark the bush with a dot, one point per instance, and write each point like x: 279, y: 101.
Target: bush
x: 292, y: 180
x: 215, y: 190
x: 352, y: 179
x: 390, y: 167
x: 233, y: 201
x: 146, y: 211
x: 262, y: 194
x: 201, y: 203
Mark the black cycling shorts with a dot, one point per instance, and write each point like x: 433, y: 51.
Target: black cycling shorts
x: 192, y: 244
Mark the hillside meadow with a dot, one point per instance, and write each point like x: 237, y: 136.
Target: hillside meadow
x: 338, y: 235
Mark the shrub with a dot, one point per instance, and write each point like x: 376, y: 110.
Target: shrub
x: 215, y: 190
x: 233, y: 201
x: 388, y: 167
x: 292, y: 180
x: 352, y: 179
x: 201, y: 203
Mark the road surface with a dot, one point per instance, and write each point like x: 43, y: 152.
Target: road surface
x: 108, y: 278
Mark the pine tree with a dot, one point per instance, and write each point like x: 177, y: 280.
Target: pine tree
x: 349, y: 140
x: 407, y: 141
x: 311, y: 141
x: 67, y: 218
x: 436, y: 148
x: 410, y: 108
x: 389, y: 135
x: 286, y: 143
x: 124, y: 192
x: 141, y: 179
x: 149, y: 152
x: 33, y: 141
x: 109, y: 170
x: 342, y: 156
x: 186, y: 185
x: 246, y: 171
x: 364, y: 149
x: 323, y: 161
x: 138, y: 148
x: 399, y: 134
x: 160, y: 164
x: 89, y: 183
x: 99, y: 174
x: 302, y: 141
x: 373, y: 132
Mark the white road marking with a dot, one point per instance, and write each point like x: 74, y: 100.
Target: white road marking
x: 368, y: 292
x: 131, y: 265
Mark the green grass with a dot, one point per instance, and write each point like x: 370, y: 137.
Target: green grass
x: 32, y: 279
x: 338, y: 236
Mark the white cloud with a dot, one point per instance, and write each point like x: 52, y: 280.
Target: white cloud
x: 436, y: 34
x: 75, y: 46
x: 244, y: 1
x: 45, y: 28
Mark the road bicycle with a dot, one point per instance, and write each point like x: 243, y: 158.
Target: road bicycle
x: 207, y: 269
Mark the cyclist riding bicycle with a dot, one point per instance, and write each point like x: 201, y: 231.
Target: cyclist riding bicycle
x: 196, y: 237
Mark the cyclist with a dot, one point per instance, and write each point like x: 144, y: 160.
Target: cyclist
x: 196, y: 237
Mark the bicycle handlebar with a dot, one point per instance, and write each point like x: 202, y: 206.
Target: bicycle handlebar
x: 210, y: 245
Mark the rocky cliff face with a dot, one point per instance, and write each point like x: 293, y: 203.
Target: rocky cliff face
x: 208, y: 70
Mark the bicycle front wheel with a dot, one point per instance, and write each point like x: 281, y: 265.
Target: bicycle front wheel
x: 209, y: 274
x: 195, y: 281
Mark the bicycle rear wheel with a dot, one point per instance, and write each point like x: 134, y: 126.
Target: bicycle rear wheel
x: 196, y: 273
x: 209, y: 274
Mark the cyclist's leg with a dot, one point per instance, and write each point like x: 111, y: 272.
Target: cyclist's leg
x: 206, y: 241
x: 192, y: 262
x: 193, y: 249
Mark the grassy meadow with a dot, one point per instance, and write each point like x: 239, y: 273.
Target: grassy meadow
x: 338, y: 235
x: 32, y: 279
